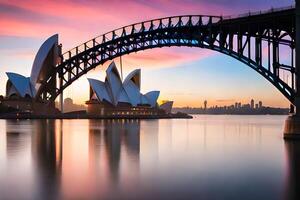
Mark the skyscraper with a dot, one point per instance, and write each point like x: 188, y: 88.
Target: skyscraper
x: 260, y: 104
x: 252, y: 104
x: 236, y: 105
x: 205, y: 105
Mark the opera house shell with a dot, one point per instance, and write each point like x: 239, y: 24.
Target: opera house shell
x: 21, y: 89
x: 116, y: 97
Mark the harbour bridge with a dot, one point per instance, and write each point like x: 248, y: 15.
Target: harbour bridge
x: 264, y: 41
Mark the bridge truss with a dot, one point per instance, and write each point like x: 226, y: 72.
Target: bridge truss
x: 263, y: 41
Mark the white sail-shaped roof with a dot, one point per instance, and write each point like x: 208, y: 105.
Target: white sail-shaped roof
x: 167, y: 106
x: 123, y: 97
x: 144, y: 100
x: 44, y: 61
x: 19, y: 85
x: 132, y: 87
x: 152, y: 97
x: 135, y: 77
x: 114, y: 80
x: 100, y: 90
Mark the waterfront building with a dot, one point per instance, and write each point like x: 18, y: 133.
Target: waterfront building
x: 166, y: 106
x: 114, y: 97
x: 22, y: 92
x: 70, y: 106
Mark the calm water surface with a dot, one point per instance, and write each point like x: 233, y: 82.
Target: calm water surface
x: 208, y: 157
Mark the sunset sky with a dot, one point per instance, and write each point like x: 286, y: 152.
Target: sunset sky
x: 186, y: 75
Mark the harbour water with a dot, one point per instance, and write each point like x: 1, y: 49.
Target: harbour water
x: 208, y: 157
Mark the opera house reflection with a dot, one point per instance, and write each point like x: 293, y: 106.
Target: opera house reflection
x: 46, y: 154
x: 112, y: 149
x: 117, y: 136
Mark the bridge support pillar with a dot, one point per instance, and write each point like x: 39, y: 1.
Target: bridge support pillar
x: 61, y: 96
x: 292, y: 127
x: 292, y: 123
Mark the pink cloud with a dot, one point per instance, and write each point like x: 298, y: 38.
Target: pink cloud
x: 81, y: 21
x: 94, y: 17
x: 165, y: 57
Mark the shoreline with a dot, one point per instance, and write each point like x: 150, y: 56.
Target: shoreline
x: 86, y: 116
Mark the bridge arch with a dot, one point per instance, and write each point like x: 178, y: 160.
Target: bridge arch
x: 230, y: 36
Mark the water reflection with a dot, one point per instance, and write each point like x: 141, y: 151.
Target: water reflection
x: 47, y: 156
x: 240, y: 157
x: 115, y: 134
x: 106, y: 158
x: 46, y: 146
x: 17, y: 140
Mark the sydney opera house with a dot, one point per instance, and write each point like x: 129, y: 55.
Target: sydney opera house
x: 21, y: 91
x: 114, y: 97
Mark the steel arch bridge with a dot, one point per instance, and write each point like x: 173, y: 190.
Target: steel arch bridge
x: 264, y: 41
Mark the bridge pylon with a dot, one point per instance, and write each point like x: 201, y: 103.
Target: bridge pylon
x: 292, y: 123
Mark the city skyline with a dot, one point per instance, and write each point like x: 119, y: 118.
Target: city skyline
x: 203, y: 73
x: 251, y: 108
x: 236, y: 104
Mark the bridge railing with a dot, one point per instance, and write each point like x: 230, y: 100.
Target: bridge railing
x: 167, y: 22
x: 248, y: 14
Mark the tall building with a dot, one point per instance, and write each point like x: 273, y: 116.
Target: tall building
x: 239, y: 105
x: 260, y: 104
x: 252, y: 104
x: 205, y: 105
